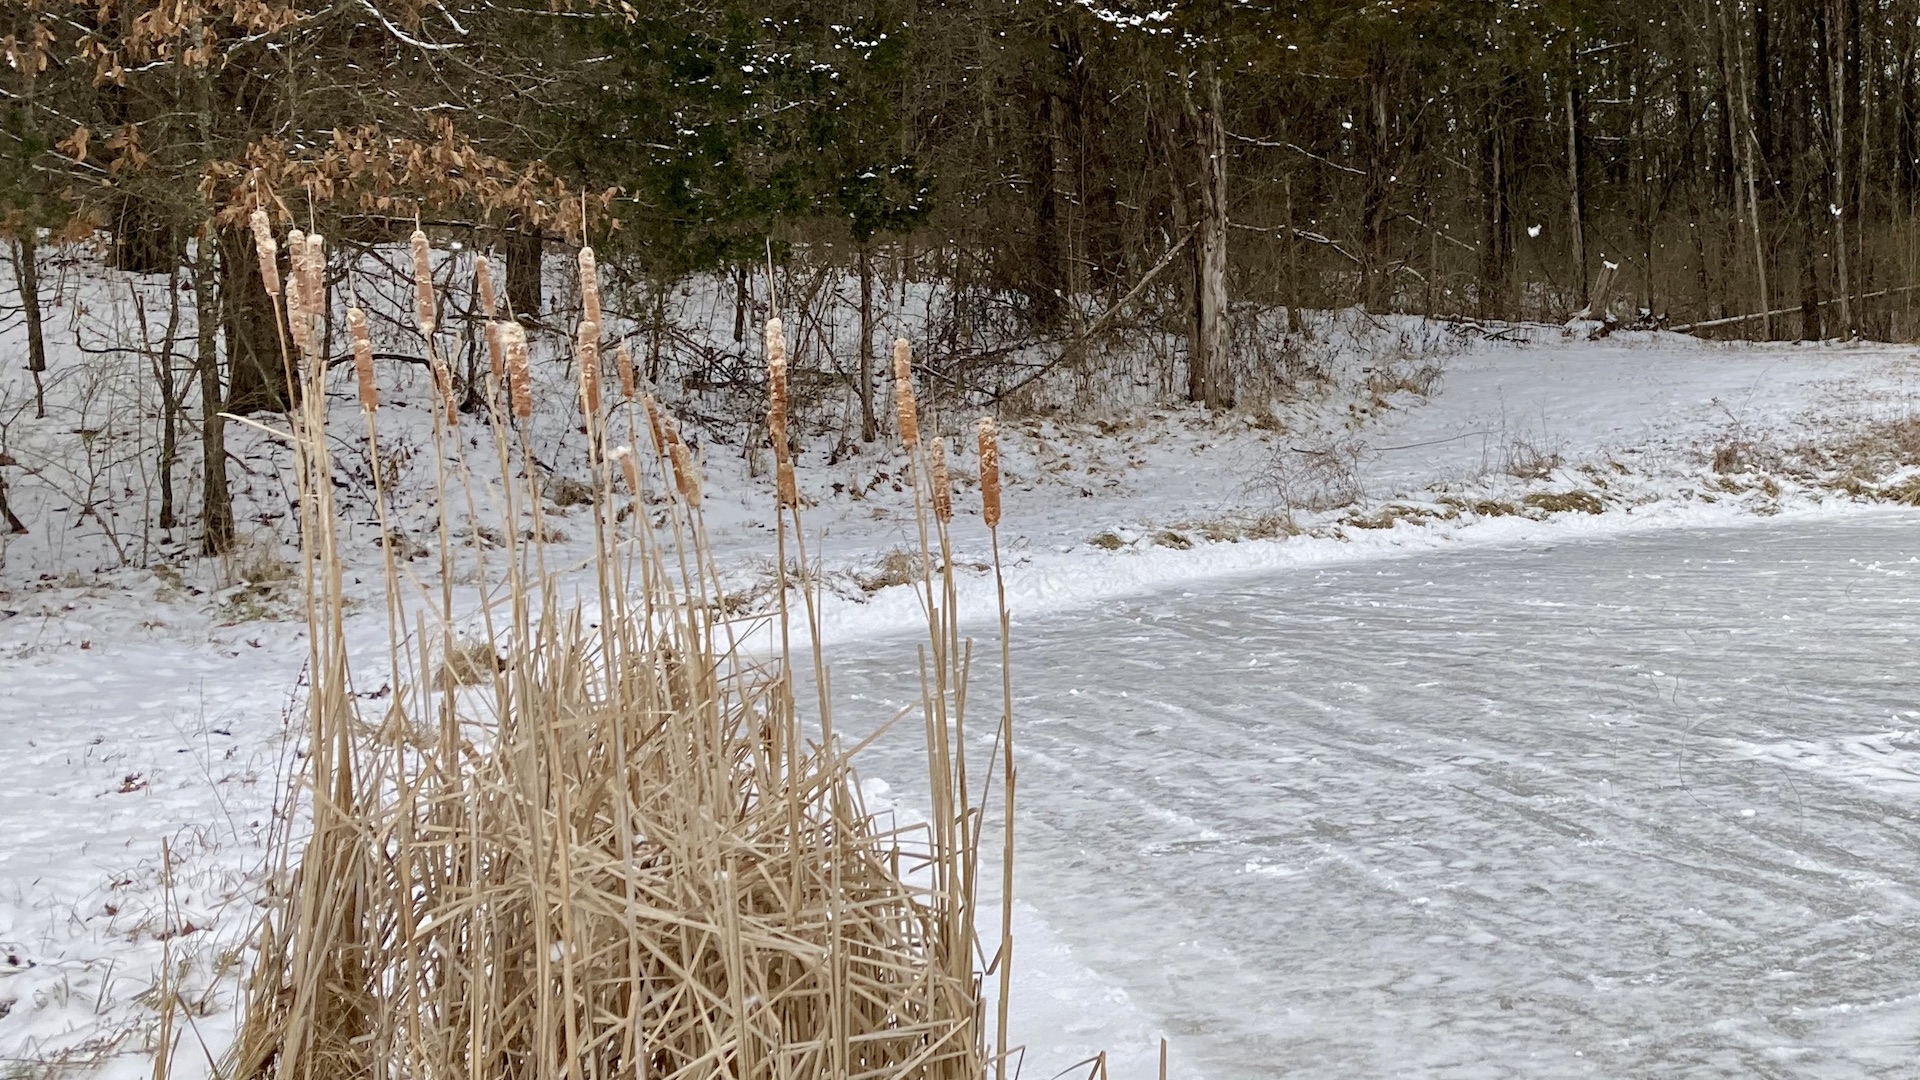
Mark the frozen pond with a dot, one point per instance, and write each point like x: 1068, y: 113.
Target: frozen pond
x: 1647, y: 807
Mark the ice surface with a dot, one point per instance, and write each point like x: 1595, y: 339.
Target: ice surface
x: 1633, y: 807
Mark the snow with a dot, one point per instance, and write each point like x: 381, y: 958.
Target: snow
x: 1424, y: 789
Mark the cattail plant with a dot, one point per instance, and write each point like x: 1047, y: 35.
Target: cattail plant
x: 267, y: 250
x: 589, y: 348
x: 496, y: 347
x: 989, y: 437
x: 424, y: 306
x: 942, y: 483
x: 363, y: 358
x: 777, y: 392
x: 903, y: 398
x: 519, y: 371
x: 624, y: 360
x: 589, y: 286
x: 656, y: 426
x: 686, y: 479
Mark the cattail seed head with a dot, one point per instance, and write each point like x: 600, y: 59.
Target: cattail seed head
x: 903, y: 393
x: 496, y: 352
x: 443, y: 382
x: 268, y: 252
x: 314, y: 270
x: 483, y: 281
x: 589, y: 345
x: 655, y: 426
x: 296, y: 313
x: 787, y: 488
x: 363, y: 358
x: 989, y: 472
x: 519, y: 372
x: 777, y: 391
x: 685, y: 478
x: 942, y: 483
x: 423, y: 299
x: 628, y: 468
x: 296, y: 284
x: 624, y: 360
x: 590, y: 285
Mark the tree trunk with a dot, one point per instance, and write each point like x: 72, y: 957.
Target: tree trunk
x: 1576, y: 199
x: 524, y: 290
x: 216, y: 500
x: 1378, y: 142
x: 869, y: 424
x: 1837, y: 92
x: 26, y: 278
x: 1211, y: 377
x: 259, y: 378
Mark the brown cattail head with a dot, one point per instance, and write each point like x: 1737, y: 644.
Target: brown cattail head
x: 685, y: 477
x: 989, y: 472
x: 297, y: 313
x: 655, y: 426
x: 788, y: 489
x: 314, y: 273
x: 590, y: 285
x: 363, y: 358
x: 496, y: 351
x: 483, y: 281
x: 777, y: 391
x: 268, y: 251
x: 903, y: 393
x: 299, y: 309
x: 942, y: 483
x: 628, y: 468
x: 589, y: 344
x: 624, y: 360
x: 443, y: 382
x: 423, y: 305
x: 519, y: 373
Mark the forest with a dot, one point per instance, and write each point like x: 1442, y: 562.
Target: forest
x: 1067, y: 175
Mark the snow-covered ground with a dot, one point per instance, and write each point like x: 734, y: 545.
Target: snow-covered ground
x: 1286, y: 827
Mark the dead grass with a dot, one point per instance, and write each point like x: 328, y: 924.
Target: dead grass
x: 1317, y: 476
x: 1560, y: 502
x: 1528, y: 460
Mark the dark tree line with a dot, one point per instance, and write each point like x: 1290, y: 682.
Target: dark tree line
x: 1068, y: 170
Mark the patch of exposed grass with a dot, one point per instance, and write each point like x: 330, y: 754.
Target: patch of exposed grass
x: 1557, y: 502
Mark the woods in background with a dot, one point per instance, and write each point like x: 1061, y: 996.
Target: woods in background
x: 1066, y: 169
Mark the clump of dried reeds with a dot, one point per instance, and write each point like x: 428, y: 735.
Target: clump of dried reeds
x: 606, y: 846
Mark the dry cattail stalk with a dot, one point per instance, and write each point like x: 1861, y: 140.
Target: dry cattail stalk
x: 624, y: 455
x: 685, y: 478
x: 989, y: 472
x: 299, y: 319
x: 589, y: 344
x: 424, y: 307
x: 590, y: 285
x: 903, y: 393
x: 788, y: 488
x: 625, y: 361
x: 656, y: 426
x: 483, y: 280
x: 268, y: 251
x: 363, y: 358
x: 942, y: 484
x: 777, y: 391
x: 519, y: 372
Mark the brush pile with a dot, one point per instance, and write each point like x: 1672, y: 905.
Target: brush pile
x: 622, y: 851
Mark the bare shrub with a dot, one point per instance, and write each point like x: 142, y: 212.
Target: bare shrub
x: 1319, y: 476
x: 1528, y: 460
